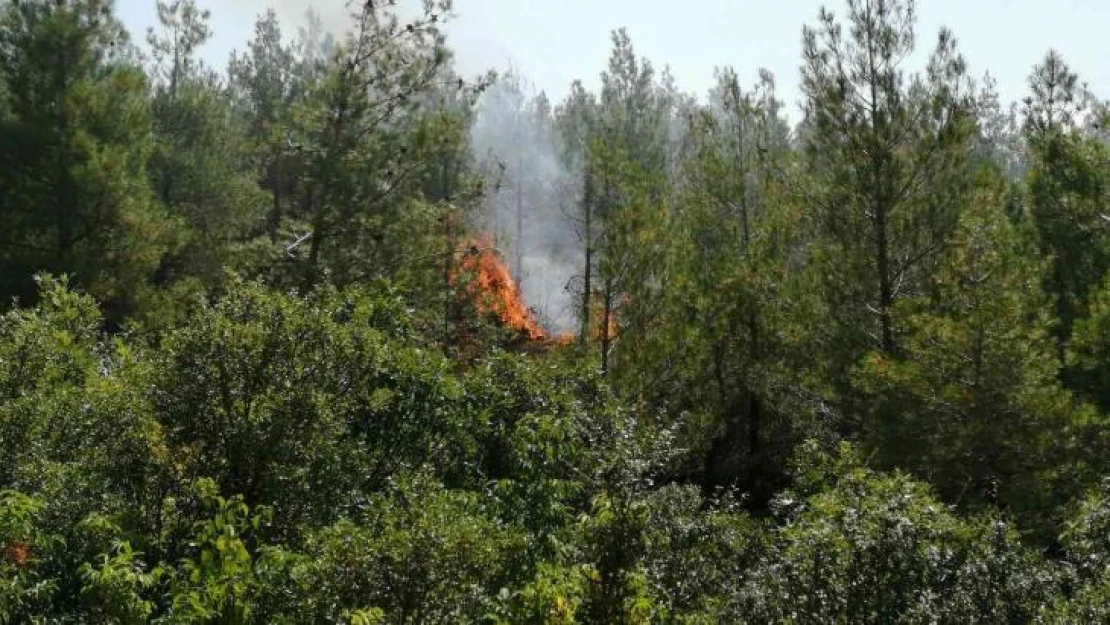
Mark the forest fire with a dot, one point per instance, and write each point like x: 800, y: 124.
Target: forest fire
x: 493, y: 290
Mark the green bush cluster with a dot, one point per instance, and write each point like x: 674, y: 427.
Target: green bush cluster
x: 284, y: 458
x: 854, y: 370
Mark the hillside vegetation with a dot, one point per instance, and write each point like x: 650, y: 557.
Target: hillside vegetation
x: 339, y: 335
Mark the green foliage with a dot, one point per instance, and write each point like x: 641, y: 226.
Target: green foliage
x: 874, y: 548
x: 554, y: 597
x: 203, y: 173
x: 974, y: 404
x: 25, y: 585
x: 728, y: 327
x: 416, y: 553
x: 50, y: 345
x: 218, y: 582
x: 257, y: 395
x: 1068, y: 189
x: 75, y: 427
x: 302, y: 403
x: 613, y: 540
x: 201, y: 168
x: 1089, y: 350
x: 698, y: 553
x: 1085, y: 542
x: 74, y: 150
x: 366, y: 138
x: 115, y: 587
x: 1086, y: 536
x: 886, y: 158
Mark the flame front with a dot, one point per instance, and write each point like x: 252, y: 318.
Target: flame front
x: 494, y: 291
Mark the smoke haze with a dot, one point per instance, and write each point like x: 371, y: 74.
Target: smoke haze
x: 515, y: 145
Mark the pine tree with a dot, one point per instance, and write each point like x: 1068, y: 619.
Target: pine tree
x: 184, y: 30
x: 263, y: 84
x: 1056, y: 97
x: 626, y: 163
x: 575, y: 120
x: 726, y: 310
x: 73, y: 150
x: 886, y: 153
x: 973, y: 403
x: 202, y: 168
x: 367, y: 140
x: 999, y: 138
x: 1069, y: 189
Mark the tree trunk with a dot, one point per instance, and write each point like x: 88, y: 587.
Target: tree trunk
x: 880, y: 203
x: 315, y: 244
x: 606, y: 320
x: 520, y: 225
x: 273, y: 221
x: 886, y: 292
x: 587, y: 273
x: 448, y: 292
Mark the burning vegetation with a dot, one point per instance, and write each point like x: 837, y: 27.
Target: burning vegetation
x: 489, y: 287
x: 492, y: 290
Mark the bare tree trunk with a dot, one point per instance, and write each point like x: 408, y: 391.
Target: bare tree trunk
x: 587, y: 273
x: 316, y: 243
x: 520, y: 224
x: 886, y: 292
x: 448, y: 266
x: 606, y: 320
x: 880, y: 207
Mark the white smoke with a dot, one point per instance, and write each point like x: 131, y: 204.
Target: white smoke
x: 516, y: 145
x: 513, y: 127
x: 334, y: 15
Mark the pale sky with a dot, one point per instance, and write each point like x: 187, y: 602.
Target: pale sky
x: 552, y: 42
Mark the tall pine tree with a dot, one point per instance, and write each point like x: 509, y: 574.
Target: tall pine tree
x: 887, y: 155
x: 74, y: 144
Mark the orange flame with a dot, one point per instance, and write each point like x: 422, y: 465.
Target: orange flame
x: 494, y: 291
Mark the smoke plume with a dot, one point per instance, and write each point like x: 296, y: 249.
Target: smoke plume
x: 529, y: 198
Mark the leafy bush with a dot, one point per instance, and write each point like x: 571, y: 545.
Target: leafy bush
x: 417, y: 553
x: 877, y: 548
x: 302, y: 403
